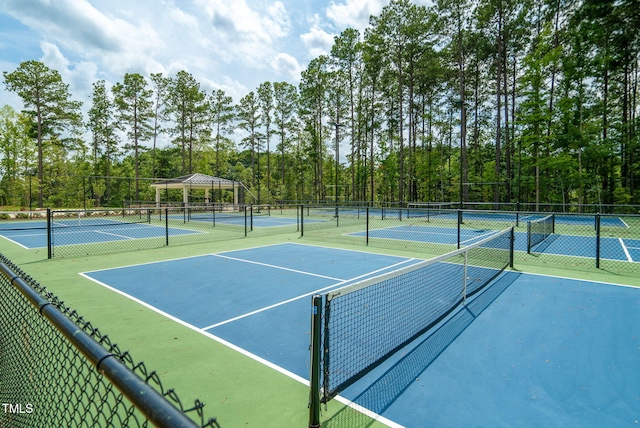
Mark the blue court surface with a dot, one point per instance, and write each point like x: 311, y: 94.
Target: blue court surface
x: 621, y: 249
x: 527, y: 351
x: 573, y: 219
x: 34, y: 234
x: 258, y: 220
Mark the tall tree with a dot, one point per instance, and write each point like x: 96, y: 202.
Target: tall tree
x: 16, y: 151
x: 347, y: 55
x: 285, y: 106
x: 248, y: 114
x: 187, y: 106
x: 265, y: 100
x: 222, y: 115
x: 160, y: 91
x: 103, y: 126
x: 313, y: 91
x: 135, y: 111
x: 48, y: 101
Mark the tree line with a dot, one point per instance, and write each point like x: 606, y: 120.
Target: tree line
x: 510, y: 101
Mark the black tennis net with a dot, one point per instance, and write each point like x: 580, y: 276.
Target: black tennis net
x: 539, y: 230
x: 98, y: 218
x: 358, y: 327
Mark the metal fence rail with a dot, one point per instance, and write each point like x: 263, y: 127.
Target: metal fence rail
x: 57, y: 369
x: 75, y: 233
x: 601, y: 241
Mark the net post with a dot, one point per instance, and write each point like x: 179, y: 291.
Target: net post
x: 512, y: 237
x: 528, y: 237
x: 49, y: 240
x: 464, y: 283
x: 598, y: 241
x: 314, y: 384
x: 553, y: 223
x: 245, y: 220
x: 251, y: 216
x: 459, y: 225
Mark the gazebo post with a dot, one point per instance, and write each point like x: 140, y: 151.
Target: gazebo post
x: 235, y: 193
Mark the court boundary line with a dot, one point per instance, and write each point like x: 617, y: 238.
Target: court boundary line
x: 113, y: 234
x: 221, y: 252
x: 275, y: 267
x: 293, y: 299
x: 243, y: 351
x: 19, y: 244
x: 593, y: 281
x: 276, y: 367
x: 353, y: 234
x: 626, y: 250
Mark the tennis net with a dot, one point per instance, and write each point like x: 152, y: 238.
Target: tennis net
x: 539, y: 230
x: 357, y: 327
x: 97, y: 218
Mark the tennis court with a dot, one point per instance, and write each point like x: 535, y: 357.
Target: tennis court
x: 33, y: 234
x: 527, y: 350
x: 256, y: 219
x: 505, y: 216
x: 621, y: 249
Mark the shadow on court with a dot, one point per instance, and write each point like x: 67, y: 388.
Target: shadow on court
x: 388, y: 387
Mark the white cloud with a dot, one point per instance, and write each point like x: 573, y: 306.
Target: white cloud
x: 317, y: 41
x: 354, y: 13
x: 230, y: 45
x: 287, y: 65
x: 277, y: 20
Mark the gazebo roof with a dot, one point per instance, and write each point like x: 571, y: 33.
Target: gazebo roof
x: 196, y: 181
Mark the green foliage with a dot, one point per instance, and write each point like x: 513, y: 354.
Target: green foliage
x: 541, y: 95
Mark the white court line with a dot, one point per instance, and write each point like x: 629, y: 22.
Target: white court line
x: 277, y: 267
x: 626, y: 250
x: 17, y: 243
x: 112, y: 234
x: 344, y: 281
x: 201, y: 331
x: 479, y: 237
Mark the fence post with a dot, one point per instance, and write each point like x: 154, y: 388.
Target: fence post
x: 49, y: 240
x: 598, y: 241
x: 301, y: 220
x: 367, y: 214
x: 166, y: 224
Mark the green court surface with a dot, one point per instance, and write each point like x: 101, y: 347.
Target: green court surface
x: 238, y: 389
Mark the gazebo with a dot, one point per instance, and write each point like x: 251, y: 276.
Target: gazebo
x: 196, y: 181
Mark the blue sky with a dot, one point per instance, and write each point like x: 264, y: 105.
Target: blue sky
x: 232, y: 45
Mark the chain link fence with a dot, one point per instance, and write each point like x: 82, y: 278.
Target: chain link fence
x: 598, y: 241
x: 58, y: 370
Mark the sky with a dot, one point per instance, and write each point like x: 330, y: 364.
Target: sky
x: 233, y: 45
